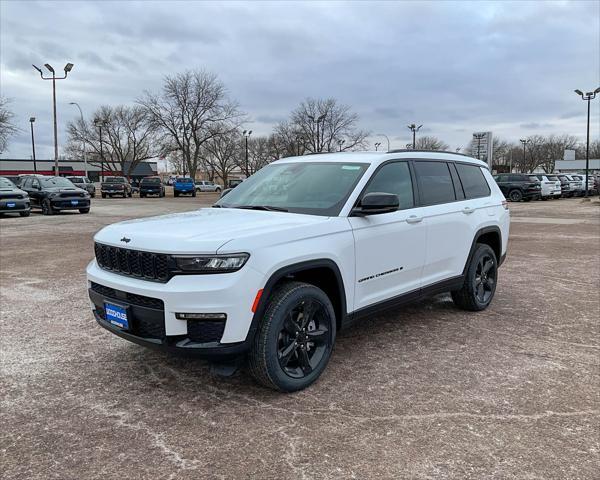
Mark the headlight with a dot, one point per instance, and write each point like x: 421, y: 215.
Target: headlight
x: 211, y: 263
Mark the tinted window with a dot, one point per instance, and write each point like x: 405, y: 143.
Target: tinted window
x: 156, y: 180
x: 50, y: 182
x: 473, y: 182
x: 394, y: 178
x: 502, y: 178
x: 435, y: 183
x: 552, y: 178
x: 115, y: 180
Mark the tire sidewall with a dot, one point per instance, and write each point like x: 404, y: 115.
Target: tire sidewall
x: 276, y: 315
x: 481, y: 250
x: 517, y: 194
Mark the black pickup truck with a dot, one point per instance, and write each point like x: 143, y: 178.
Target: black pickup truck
x: 112, y: 186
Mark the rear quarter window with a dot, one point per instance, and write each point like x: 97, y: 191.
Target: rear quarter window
x: 435, y: 182
x: 473, y: 181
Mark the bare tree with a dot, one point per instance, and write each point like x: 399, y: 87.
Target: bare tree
x: 594, y: 149
x: 192, y: 109
x: 128, y: 138
x: 322, y: 125
x: 287, y: 140
x: 222, y: 154
x: 7, y: 127
x: 260, y: 153
x: 429, y: 142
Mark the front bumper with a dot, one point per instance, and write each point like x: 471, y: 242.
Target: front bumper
x: 18, y: 205
x: 67, y: 203
x: 153, y: 317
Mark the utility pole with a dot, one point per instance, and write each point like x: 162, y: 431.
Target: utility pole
x: 246, y: 135
x: 31, y: 120
x: 589, y: 96
x: 524, y: 141
x: 54, y: 78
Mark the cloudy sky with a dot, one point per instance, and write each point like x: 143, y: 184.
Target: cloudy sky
x: 453, y: 67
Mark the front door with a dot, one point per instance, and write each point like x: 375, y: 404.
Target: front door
x: 390, y: 247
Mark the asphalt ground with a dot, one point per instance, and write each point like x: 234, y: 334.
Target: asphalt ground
x: 428, y: 391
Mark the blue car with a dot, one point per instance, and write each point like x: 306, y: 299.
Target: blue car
x: 184, y: 186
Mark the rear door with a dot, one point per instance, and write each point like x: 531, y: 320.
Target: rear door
x: 390, y: 247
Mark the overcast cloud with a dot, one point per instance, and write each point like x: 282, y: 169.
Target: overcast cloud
x: 453, y: 67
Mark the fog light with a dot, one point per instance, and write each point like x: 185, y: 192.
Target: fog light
x: 201, y: 316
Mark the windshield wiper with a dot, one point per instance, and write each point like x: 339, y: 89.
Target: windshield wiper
x: 268, y: 208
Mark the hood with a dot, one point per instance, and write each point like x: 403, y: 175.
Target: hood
x: 12, y: 190
x: 63, y: 189
x: 202, y: 231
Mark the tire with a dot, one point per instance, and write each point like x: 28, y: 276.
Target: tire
x: 142, y: 195
x: 281, y: 356
x: 480, y: 282
x: 93, y: 194
x: 175, y: 194
x: 218, y: 190
x: 84, y: 210
x: 26, y: 213
x: 194, y: 193
x: 130, y: 194
x: 515, y: 195
x: 104, y: 195
x: 47, y: 207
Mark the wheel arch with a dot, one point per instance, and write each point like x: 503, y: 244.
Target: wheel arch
x: 491, y: 236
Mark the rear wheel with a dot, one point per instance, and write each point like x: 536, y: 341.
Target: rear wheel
x: 47, y: 207
x: 84, y: 210
x: 295, y: 338
x: 194, y: 193
x: 104, y: 195
x: 26, y: 213
x: 515, y: 195
x: 479, y: 285
x: 175, y: 194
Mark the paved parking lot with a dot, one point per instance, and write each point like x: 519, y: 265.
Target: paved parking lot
x: 428, y: 391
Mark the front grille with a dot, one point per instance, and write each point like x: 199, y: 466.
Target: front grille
x: 72, y: 194
x: 8, y: 196
x: 146, y: 265
x: 204, y: 331
x: 132, y: 298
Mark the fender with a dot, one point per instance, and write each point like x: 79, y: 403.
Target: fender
x: 289, y: 270
x: 478, y: 234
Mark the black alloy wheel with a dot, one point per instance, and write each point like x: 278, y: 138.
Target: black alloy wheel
x: 485, y: 278
x: 47, y: 207
x: 515, y: 196
x: 480, y: 281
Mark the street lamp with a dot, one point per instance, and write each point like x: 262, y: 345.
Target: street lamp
x: 340, y: 143
x: 298, y: 139
x: 479, y: 137
x: 414, y: 129
x: 377, y: 145
x: 386, y: 137
x: 319, y: 119
x: 85, y: 165
x: 99, y: 123
x: 67, y: 69
x: 589, y: 96
x: 524, y: 141
x: 31, y: 120
x: 246, y: 135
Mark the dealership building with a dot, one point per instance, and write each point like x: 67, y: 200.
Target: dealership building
x: 16, y: 166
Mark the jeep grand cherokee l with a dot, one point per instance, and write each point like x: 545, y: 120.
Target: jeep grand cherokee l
x: 518, y: 186
x: 298, y: 251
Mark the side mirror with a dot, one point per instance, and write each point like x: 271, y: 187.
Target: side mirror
x: 225, y: 192
x: 375, y: 203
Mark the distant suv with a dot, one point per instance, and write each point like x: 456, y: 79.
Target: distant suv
x: 298, y: 251
x: 151, y: 186
x: 207, y: 186
x: 84, y: 183
x: 565, y: 185
x: 184, y: 186
x: 13, y: 199
x: 519, y: 186
x: 55, y: 194
x: 112, y: 186
x: 551, y: 186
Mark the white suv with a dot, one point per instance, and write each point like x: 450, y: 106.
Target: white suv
x: 297, y: 252
x: 550, y: 185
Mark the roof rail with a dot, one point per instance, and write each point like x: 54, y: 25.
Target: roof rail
x: 406, y: 150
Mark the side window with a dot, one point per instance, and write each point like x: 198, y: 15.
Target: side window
x: 394, y: 178
x: 473, y: 181
x: 435, y: 183
x: 514, y: 178
x: 26, y: 183
x: 35, y: 183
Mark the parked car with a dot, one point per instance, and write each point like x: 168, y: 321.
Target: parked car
x: 299, y: 251
x: 232, y: 183
x: 55, y: 194
x: 151, y: 186
x: 207, y: 186
x: 590, y: 183
x: 519, y: 186
x: 565, y: 185
x: 551, y: 186
x: 576, y: 185
x: 184, y: 186
x: 84, y: 183
x: 112, y: 186
x: 13, y: 199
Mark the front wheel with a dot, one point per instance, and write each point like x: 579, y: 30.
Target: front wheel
x: 194, y: 193
x: 515, y: 196
x: 295, y: 338
x: 47, y: 207
x: 84, y: 210
x: 479, y: 285
x: 218, y: 190
x: 26, y: 213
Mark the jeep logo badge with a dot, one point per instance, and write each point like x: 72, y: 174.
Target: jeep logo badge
x: 126, y: 240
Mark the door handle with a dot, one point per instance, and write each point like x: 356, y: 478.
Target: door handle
x: 467, y: 210
x: 414, y: 219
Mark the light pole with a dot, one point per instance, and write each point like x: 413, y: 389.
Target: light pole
x: 414, y: 129
x: 54, y: 78
x: 85, y: 165
x: 377, y: 144
x: 298, y: 144
x: 341, y: 143
x: 318, y: 120
x: 524, y: 141
x: 31, y: 120
x: 246, y: 135
x: 589, y: 96
x: 479, y: 137
x: 386, y: 137
x: 100, y: 123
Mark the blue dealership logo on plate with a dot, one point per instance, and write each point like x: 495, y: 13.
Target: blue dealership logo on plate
x: 116, y: 315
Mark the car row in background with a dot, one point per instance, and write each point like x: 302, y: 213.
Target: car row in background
x: 530, y: 186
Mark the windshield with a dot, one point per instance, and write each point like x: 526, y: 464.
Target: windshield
x: 6, y: 183
x: 303, y: 187
x: 552, y: 178
x: 150, y: 180
x: 55, y: 182
x: 75, y: 179
x: 185, y: 180
x: 115, y: 180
